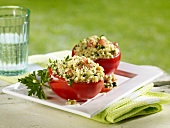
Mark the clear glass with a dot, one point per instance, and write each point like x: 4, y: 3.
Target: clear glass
x: 14, y: 40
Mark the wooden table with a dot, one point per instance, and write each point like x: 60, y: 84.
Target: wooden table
x: 19, y: 113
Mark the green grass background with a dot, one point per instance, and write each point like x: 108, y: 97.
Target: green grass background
x: 141, y: 27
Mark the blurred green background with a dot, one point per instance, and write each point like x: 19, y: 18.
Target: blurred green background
x: 141, y: 27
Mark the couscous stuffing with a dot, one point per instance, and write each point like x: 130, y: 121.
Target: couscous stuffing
x: 95, y: 47
x: 110, y: 81
x: 77, y: 69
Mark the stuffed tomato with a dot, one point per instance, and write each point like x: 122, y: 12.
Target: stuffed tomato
x: 101, y: 51
x: 76, y: 78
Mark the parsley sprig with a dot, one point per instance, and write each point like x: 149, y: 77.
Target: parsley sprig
x: 35, y: 82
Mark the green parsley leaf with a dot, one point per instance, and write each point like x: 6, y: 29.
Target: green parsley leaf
x: 35, y: 83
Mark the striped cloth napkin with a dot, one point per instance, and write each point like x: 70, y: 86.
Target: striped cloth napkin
x: 141, y: 102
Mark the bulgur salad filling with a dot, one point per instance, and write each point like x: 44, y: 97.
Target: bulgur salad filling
x: 81, y: 69
x: 110, y: 81
x: 77, y: 69
x: 95, y: 47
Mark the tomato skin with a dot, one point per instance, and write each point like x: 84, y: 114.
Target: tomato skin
x: 73, y: 53
x: 49, y: 71
x: 78, y: 91
x: 109, y: 65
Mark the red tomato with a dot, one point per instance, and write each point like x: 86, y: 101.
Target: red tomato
x: 90, y: 44
x: 78, y: 91
x: 109, y: 65
x: 102, y: 42
x: 49, y: 71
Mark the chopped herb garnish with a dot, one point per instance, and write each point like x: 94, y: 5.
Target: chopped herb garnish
x: 50, y: 60
x: 114, y: 84
x: 70, y: 82
x: 101, y: 36
x: 67, y: 58
x: 98, y: 46
x: 84, y: 75
x: 102, y: 47
x: 97, y: 54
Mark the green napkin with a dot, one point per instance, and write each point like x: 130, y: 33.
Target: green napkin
x: 139, y: 103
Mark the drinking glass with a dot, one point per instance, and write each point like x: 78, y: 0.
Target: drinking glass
x: 14, y: 40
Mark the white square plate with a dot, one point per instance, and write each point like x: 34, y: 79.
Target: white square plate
x: 130, y: 78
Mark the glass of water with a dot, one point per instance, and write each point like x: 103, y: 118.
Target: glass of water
x: 14, y: 40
